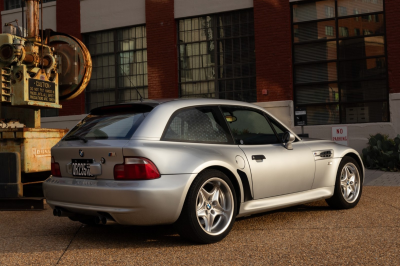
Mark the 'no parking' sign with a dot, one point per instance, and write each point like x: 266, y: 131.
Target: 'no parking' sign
x: 339, y: 135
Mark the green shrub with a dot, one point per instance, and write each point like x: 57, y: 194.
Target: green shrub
x: 382, y: 153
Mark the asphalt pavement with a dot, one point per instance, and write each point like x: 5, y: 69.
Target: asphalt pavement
x: 310, y: 234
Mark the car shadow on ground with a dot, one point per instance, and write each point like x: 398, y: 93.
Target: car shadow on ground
x: 120, y: 236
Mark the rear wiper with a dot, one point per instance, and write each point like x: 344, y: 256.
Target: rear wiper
x: 72, y: 137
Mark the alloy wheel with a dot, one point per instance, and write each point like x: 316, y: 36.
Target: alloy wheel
x: 350, y: 182
x: 214, y: 206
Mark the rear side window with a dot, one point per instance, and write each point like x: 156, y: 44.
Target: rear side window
x: 107, y: 126
x: 197, y: 124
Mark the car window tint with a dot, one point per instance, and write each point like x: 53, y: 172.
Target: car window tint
x: 280, y: 130
x: 112, y: 126
x: 249, y: 127
x: 196, y: 125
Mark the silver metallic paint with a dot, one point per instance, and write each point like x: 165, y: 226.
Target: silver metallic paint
x: 270, y: 176
x: 184, y: 158
x: 160, y: 201
x: 283, y: 201
x: 141, y: 202
x: 65, y: 151
x: 325, y: 174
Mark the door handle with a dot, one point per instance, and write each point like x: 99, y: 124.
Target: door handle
x: 258, y: 157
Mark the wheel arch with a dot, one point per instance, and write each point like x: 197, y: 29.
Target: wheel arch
x: 237, y: 183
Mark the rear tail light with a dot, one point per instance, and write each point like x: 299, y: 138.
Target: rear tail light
x: 136, y: 168
x: 55, y: 168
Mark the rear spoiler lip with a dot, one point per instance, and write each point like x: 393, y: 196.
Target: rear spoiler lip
x: 146, y: 106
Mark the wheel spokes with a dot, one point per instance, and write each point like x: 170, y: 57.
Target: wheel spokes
x: 348, y: 192
x: 208, y: 219
x: 348, y: 173
x: 349, y: 182
x: 215, y: 194
x: 202, y: 198
x: 344, y: 191
x: 352, y: 179
x: 205, y: 194
x: 202, y: 213
x: 214, y: 206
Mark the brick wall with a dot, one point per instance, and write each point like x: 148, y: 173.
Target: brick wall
x: 162, y: 57
x: 69, y: 21
x: 273, y: 50
x: 392, y: 10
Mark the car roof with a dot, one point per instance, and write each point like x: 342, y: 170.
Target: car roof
x: 162, y: 109
x: 154, y: 125
x: 176, y: 103
x: 188, y: 101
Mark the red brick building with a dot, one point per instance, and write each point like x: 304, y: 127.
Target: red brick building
x: 338, y: 60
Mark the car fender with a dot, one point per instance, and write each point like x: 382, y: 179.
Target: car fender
x: 326, y: 168
x: 346, y: 151
x: 208, y: 165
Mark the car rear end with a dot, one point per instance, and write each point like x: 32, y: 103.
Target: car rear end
x: 93, y: 180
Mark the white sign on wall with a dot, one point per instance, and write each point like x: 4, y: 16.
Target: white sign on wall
x: 339, y: 135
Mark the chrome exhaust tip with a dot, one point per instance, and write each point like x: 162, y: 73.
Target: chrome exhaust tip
x: 59, y: 212
x: 103, y: 220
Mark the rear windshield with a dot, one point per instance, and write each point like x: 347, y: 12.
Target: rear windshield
x: 107, y: 126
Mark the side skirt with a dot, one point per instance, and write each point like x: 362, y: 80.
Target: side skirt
x: 279, y: 202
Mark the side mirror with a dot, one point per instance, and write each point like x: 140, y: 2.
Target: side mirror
x: 288, y: 139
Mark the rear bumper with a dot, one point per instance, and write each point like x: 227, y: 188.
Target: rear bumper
x: 141, y: 202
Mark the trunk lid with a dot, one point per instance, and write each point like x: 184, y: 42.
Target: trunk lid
x: 94, y: 146
x: 103, y: 154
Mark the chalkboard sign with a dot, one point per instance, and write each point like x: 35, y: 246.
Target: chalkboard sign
x: 43, y: 91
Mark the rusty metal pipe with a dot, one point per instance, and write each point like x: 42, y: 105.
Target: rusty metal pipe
x: 29, y: 59
x: 32, y: 18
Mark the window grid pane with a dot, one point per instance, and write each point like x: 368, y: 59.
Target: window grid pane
x: 340, y: 69
x: 313, y: 11
x: 119, y: 66
x: 216, y: 56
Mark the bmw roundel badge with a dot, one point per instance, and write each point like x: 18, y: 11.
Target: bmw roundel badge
x: 81, y: 153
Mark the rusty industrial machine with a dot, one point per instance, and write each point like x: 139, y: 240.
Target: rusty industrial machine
x: 38, y: 69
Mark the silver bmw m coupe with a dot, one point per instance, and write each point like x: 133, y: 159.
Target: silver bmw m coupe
x: 195, y: 163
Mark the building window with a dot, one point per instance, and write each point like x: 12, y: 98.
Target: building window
x: 343, y: 32
x: 217, y: 56
x: 12, y: 4
x: 342, y: 11
x: 328, y: 31
x: 329, y: 11
x: 367, y: 32
x: 119, y: 66
x: 340, y: 77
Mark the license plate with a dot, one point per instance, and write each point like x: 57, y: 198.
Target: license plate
x: 80, y: 167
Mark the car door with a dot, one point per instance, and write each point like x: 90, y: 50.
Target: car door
x: 275, y: 170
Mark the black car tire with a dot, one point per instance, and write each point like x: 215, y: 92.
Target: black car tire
x: 192, y: 227
x: 339, y: 200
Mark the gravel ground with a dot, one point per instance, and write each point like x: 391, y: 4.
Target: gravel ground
x: 311, y: 234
